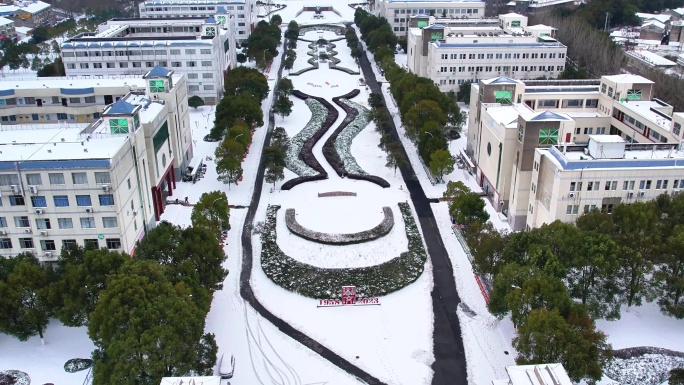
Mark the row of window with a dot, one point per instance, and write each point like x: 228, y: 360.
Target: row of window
x: 437, y: 11
x: 49, y: 245
x: 56, y: 178
x: 590, y: 130
x: 567, y: 103
x: 499, y: 69
x: 574, y: 209
x: 144, y: 52
x: 60, y: 200
x: 611, y: 185
x: 39, y: 117
x: 55, y: 100
x: 207, y: 8
x: 482, y: 56
x: 137, y: 64
x: 62, y: 223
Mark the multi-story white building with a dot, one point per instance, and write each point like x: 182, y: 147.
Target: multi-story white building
x: 102, y: 183
x: 7, y: 28
x: 511, y: 122
x: 244, y: 11
x: 399, y: 12
x: 203, y: 49
x: 62, y: 100
x: 453, y: 55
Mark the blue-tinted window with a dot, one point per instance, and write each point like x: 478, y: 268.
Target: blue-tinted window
x: 38, y: 201
x: 106, y: 200
x: 83, y: 200
x: 61, y: 200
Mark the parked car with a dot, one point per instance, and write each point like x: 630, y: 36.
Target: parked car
x: 227, y: 366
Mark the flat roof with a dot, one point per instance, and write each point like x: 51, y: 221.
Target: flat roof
x: 78, y: 84
x: 45, y: 142
x: 497, y: 45
x: 35, y: 6
x: 5, y: 21
x: 636, y: 156
x: 607, y: 138
x: 192, y: 2
x: 651, y: 58
x: 435, y: 1
x: 643, y: 109
x: 545, y: 374
x: 150, y: 109
x: 628, y: 78
x: 507, y: 116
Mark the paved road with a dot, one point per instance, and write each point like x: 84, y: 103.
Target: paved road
x: 450, y: 361
x: 246, y: 272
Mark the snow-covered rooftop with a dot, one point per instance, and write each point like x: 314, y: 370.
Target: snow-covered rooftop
x: 35, y: 6
x: 644, y: 108
x: 543, y: 374
x: 8, y: 84
x: 23, y: 30
x: 663, y: 18
x: 5, y: 21
x: 628, y: 78
x: 651, y: 58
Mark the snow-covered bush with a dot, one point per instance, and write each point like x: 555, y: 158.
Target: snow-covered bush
x: 340, y: 239
x: 344, y: 139
x: 14, y: 377
x: 292, y: 159
x: 316, y: 282
x: 77, y: 364
x: 646, y: 369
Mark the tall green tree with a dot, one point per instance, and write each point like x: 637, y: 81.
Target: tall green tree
x: 212, y: 212
x: 395, y: 157
x: 280, y: 139
x: 424, y: 111
x: 147, y: 328
x: 195, y: 101
x: 486, y: 245
x: 441, y: 163
x: 23, y: 298
x: 83, y: 274
x: 244, y: 80
x: 468, y: 208
x: 546, y: 336
x: 669, y: 277
x: 283, y: 106
x: 228, y: 158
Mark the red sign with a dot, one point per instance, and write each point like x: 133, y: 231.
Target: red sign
x: 349, y: 295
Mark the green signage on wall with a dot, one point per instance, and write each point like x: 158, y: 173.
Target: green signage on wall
x: 436, y: 36
x: 422, y: 24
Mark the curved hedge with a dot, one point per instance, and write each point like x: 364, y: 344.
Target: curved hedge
x: 322, y: 283
x: 340, y: 239
x: 306, y: 153
x: 332, y: 155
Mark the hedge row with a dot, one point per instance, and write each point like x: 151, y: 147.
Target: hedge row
x: 340, y: 239
x: 331, y: 153
x: 306, y: 153
x: 322, y: 283
x: 293, y: 159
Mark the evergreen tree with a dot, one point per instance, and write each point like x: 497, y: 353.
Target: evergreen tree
x: 441, y: 163
x: 212, y: 212
x: 228, y: 158
x: 283, y: 106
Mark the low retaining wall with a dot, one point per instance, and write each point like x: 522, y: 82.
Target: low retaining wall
x: 337, y: 194
x: 340, y: 239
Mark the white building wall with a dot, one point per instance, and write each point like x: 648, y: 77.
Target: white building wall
x: 397, y: 13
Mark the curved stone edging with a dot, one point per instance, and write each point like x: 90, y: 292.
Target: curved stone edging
x: 246, y: 291
x: 321, y: 283
x: 340, y: 239
x: 293, y: 158
x: 306, y: 153
x: 330, y: 153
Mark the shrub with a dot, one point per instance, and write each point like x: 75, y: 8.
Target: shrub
x: 340, y: 239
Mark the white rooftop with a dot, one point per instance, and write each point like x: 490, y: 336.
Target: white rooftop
x: 651, y: 58
x: 5, y: 21
x: 653, y: 22
x: 134, y: 83
x: 150, y: 109
x: 54, y: 142
x: 207, y: 380
x: 607, y: 138
x: 23, y: 30
x: 628, y: 78
x: 544, y: 374
x: 643, y: 109
x: 34, y: 7
x: 8, y: 8
x: 661, y: 17
x: 507, y: 116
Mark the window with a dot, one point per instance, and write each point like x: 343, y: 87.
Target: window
x: 65, y: 223
x: 191, y: 63
x: 503, y: 97
x: 43, y: 224
x: 665, y: 184
x: 48, y: 245
x: 521, y: 131
x: 113, y: 243
x: 102, y: 178
x: 84, y: 65
x: 206, y: 63
x: 207, y: 75
x: 79, y: 177
x: 56, y: 178
x: 106, y: 199
x: 17, y: 200
x: 69, y: 243
x: 97, y: 65
x: 91, y: 243
x: 111, y: 65
x: 633, y: 94
x: 83, y: 200
x: 193, y: 87
x: 648, y: 185
x: 193, y: 76
x: 34, y: 179
x: 677, y: 129
x: 568, y: 210
x: 174, y: 52
x: 675, y: 184
x: 22, y: 222
x: 3, y: 222
x: 88, y: 223
x: 26, y: 243
x: 61, y: 200
x: 572, y: 186
x: 586, y: 209
x: 208, y: 87
x: 5, y: 243
x: 109, y: 222
x: 71, y: 66
x: 190, y: 51
x: 90, y: 99
x: 8, y: 179
x: 123, y: 65
x: 548, y: 136
x: 205, y: 51
x: 575, y: 103
x: 610, y: 209
x: 38, y: 201
x: 593, y: 186
x: 175, y: 64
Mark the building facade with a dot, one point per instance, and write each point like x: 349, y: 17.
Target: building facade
x: 453, y: 55
x: 511, y: 122
x: 7, y: 28
x: 399, y: 12
x: 203, y: 49
x: 244, y: 12
x: 98, y: 184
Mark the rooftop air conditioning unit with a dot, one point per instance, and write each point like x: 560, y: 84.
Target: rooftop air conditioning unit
x: 89, y: 210
x: 43, y: 232
x: 39, y: 211
x: 630, y: 194
x: 33, y: 189
x: 16, y: 189
x: 572, y: 195
x: 47, y: 254
x: 106, y: 187
x: 641, y: 193
x: 135, y: 212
